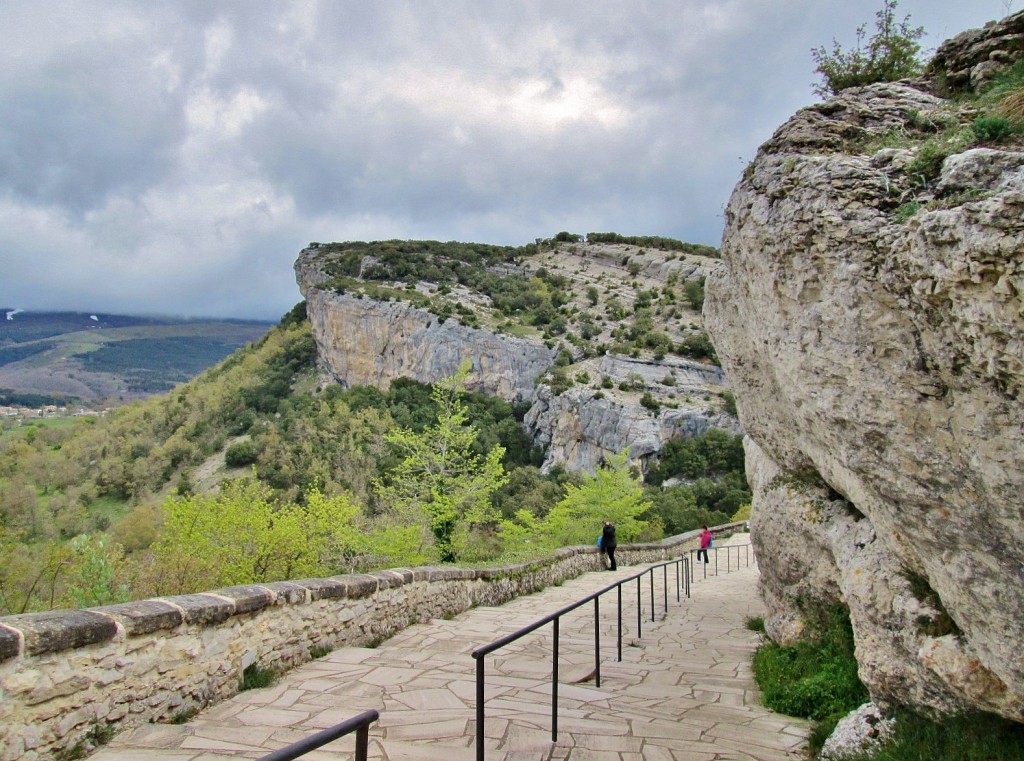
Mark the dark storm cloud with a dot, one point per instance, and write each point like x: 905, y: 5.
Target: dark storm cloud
x: 174, y: 157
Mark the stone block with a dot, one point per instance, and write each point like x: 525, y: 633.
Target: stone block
x: 10, y: 643
x: 61, y: 630
x: 246, y: 597
x: 143, y: 617
x: 322, y: 589
x: 358, y: 584
x: 287, y: 592
x: 386, y: 580
x: 203, y: 609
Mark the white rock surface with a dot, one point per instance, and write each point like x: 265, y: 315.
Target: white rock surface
x: 878, y: 365
x: 860, y: 732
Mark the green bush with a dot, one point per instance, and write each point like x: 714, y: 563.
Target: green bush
x: 242, y: 453
x: 890, y: 54
x: 992, y: 129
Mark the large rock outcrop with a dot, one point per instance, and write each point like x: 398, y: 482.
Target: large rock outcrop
x: 870, y: 316
x: 372, y: 341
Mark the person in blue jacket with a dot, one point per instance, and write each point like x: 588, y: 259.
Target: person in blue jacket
x: 608, y: 543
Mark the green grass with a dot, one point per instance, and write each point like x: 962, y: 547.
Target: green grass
x: 815, y: 678
x: 108, y: 510
x: 254, y: 677
x: 960, y: 738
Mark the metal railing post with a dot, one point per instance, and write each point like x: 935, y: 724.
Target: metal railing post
x: 652, y: 593
x: 639, y: 608
x: 664, y: 580
x: 359, y: 724
x: 480, y: 708
x: 362, y: 743
x: 554, y: 683
x: 618, y: 589
x: 597, y: 641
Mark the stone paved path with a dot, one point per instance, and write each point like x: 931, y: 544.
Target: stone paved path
x: 683, y: 691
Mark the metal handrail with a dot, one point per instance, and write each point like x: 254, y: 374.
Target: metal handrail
x: 359, y: 724
x: 682, y: 566
x: 728, y: 557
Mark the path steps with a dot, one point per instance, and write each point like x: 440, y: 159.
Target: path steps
x: 683, y: 691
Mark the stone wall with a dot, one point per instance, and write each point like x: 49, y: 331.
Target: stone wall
x: 66, y: 674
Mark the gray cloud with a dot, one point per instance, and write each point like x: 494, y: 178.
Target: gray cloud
x: 174, y: 157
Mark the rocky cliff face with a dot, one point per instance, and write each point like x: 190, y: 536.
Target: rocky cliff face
x: 587, y: 404
x: 870, y: 315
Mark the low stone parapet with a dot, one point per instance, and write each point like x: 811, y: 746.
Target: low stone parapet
x: 71, y: 674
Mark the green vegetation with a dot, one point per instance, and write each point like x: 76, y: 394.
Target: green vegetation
x: 12, y: 354
x: 655, y: 242
x: 816, y: 677
x: 890, y: 54
x: 441, y: 483
x: 253, y: 472
x: 11, y: 398
x: 713, y: 486
x: 254, y: 677
x: 243, y: 535
x: 157, y: 364
x: 614, y: 493
x: 979, y: 737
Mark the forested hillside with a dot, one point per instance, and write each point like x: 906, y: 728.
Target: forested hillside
x: 259, y: 470
x: 96, y: 359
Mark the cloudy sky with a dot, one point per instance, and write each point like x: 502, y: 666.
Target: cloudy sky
x: 173, y: 157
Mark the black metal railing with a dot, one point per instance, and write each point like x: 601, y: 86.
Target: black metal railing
x: 682, y: 574
x: 359, y: 724
x: 713, y: 560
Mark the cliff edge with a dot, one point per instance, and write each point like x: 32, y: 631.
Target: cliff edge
x: 870, y: 316
x: 592, y: 337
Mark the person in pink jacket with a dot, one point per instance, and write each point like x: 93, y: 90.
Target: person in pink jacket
x: 705, y: 542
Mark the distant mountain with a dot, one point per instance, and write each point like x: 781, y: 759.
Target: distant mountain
x: 95, y: 357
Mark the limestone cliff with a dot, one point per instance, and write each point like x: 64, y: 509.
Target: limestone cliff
x: 589, y: 399
x: 869, y: 314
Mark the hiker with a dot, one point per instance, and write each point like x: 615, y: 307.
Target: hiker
x: 705, y: 542
x: 608, y: 543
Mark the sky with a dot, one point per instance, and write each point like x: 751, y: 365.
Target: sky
x: 174, y: 156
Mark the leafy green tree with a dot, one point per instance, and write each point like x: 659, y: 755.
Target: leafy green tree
x: 440, y: 484
x: 94, y: 573
x: 614, y: 493
x: 243, y: 536
x: 890, y: 54
x: 693, y: 292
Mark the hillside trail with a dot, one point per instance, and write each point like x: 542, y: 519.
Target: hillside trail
x: 682, y: 692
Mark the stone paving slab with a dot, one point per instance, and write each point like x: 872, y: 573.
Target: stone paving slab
x: 683, y: 691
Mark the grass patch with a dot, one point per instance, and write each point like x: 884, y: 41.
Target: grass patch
x: 815, y: 678
x: 99, y: 734
x: 254, y: 677
x: 318, y: 652
x: 183, y: 716
x: 981, y: 737
x: 755, y: 623
x: 906, y: 211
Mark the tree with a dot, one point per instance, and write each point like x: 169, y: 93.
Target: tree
x: 614, y: 493
x: 890, y: 54
x: 243, y: 536
x: 440, y: 484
